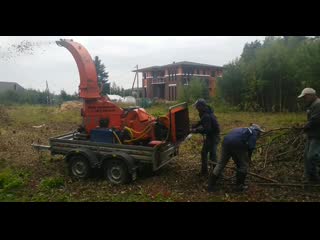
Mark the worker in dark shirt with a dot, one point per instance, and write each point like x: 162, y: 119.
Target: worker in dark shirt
x: 312, y: 132
x: 238, y: 144
x: 209, y: 127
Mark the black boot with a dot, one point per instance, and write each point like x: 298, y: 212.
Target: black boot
x: 204, y: 167
x: 212, y: 183
x: 240, y: 185
x: 204, y: 162
x: 204, y: 172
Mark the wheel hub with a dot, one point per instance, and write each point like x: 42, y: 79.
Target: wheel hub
x: 79, y: 168
x: 116, y: 173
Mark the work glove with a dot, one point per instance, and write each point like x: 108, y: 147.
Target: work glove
x: 217, y: 139
x: 306, y: 127
x: 193, y: 130
x: 194, y: 126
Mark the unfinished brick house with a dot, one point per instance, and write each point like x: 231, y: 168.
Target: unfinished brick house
x: 163, y: 82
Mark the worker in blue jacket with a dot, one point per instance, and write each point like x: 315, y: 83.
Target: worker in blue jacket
x: 209, y: 127
x: 238, y: 145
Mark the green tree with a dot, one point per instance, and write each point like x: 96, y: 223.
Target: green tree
x: 103, y: 76
x: 197, y: 88
x: 64, y: 95
x: 117, y: 90
x: 232, y: 77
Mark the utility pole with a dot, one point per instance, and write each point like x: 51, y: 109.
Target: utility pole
x: 138, y: 82
x: 48, y: 93
x: 136, y: 76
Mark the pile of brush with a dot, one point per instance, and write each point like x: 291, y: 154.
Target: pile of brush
x: 279, y: 154
x: 277, y: 160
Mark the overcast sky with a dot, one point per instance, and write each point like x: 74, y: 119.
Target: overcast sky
x: 119, y: 54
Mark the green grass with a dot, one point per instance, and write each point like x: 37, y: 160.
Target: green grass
x: 267, y: 120
x: 52, y: 182
x: 10, y: 180
x: 37, y: 115
x: 11, y: 183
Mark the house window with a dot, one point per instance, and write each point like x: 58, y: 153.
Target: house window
x: 154, y: 74
x: 213, y: 74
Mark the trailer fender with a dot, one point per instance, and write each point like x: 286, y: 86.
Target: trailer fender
x: 130, y: 162
x: 91, y: 156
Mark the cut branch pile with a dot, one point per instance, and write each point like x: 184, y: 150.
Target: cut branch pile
x: 280, y: 154
x: 277, y: 160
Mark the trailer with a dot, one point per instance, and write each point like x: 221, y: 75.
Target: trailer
x: 119, y: 162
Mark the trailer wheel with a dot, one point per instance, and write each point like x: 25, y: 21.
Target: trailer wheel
x: 79, y: 167
x: 116, y: 171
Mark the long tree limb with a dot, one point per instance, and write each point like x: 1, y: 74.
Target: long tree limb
x: 289, y: 184
x: 251, y: 173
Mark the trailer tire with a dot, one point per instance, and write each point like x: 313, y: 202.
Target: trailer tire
x: 79, y: 167
x: 116, y: 171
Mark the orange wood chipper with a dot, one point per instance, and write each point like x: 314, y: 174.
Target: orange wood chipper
x: 120, y: 141
x: 127, y: 126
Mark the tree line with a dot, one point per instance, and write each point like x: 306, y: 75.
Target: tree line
x: 31, y: 96
x: 269, y: 76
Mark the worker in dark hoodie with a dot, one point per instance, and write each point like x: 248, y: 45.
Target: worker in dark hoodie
x: 209, y: 127
x: 239, y: 145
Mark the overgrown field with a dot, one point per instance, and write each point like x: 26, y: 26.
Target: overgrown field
x: 26, y: 175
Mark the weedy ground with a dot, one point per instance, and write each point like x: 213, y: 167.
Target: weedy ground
x: 29, y: 176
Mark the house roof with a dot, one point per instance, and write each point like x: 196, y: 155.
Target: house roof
x: 4, y: 86
x: 183, y: 63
